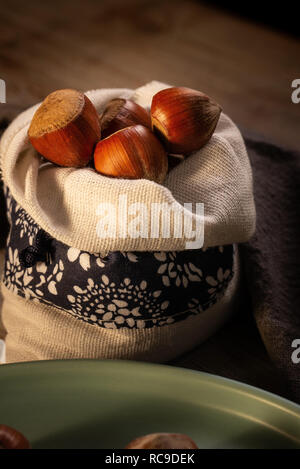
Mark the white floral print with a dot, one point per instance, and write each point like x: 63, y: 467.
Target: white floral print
x: 18, y: 278
x: 13, y: 270
x: 172, y: 271
x: 26, y: 223
x: 219, y: 283
x: 125, y: 301
x: 84, y: 258
x: 195, y: 306
x: 53, y: 278
x: 132, y: 257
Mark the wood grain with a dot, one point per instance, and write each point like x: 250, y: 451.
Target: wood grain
x: 248, y: 69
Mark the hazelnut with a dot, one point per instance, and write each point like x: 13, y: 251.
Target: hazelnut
x: 132, y: 153
x: 162, y: 441
x: 65, y: 128
x: 121, y: 113
x: 183, y: 119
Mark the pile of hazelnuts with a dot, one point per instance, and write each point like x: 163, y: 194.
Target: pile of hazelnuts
x: 125, y: 141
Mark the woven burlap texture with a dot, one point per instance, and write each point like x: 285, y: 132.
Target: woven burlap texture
x: 64, y: 201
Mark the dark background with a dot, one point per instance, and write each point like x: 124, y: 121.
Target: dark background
x: 278, y: 15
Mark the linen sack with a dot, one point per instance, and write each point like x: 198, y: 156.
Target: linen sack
x: 89, y: 295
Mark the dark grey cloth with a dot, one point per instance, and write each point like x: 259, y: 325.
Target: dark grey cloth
x: 271, y: 259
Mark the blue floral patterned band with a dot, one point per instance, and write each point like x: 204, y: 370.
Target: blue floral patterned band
x: 119, y: 290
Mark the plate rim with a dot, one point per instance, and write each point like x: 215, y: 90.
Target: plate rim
x: 232, y: 384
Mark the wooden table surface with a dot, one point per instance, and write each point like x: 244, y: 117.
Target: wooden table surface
x: 89, y: 44
x: 247, y: 68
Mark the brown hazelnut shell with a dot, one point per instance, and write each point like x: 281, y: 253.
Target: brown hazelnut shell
x: 183, y: 119
x: 10, y: 438
x: 132, y: 153
x: 65, y: 128
x: 162, y: 441
x: 120, y: 113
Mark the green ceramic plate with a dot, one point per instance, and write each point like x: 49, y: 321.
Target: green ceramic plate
x: 105, y: 404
